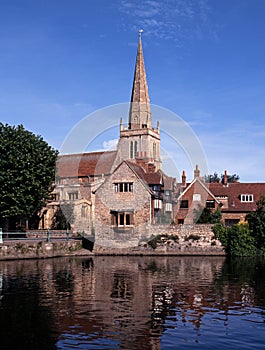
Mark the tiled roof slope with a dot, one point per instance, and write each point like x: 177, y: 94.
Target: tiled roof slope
x: 86, y: 164
x: 156, y: 178
x: 233, y: 192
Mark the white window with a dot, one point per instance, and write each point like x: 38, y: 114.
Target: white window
x: 246, y: 198
x: 168, y: 207
x: 157, y: 204
x: 123, y: 187
x: 72, y: 196
x: 196, y: 197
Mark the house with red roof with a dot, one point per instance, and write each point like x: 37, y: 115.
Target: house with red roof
x: 234, y: 199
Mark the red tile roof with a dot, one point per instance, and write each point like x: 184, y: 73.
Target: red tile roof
x: 86, y: 164
x: 233, y: 192
x: 155, y: 178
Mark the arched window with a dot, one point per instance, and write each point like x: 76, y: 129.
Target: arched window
x: 154, y: 150
x: 135, y: 149
x: 131, y: 149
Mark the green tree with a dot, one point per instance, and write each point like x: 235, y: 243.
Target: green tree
x: 236, y: 240
x: 256, y: 222
x: 206, y: 215
x: 27, y: 173
x: 230, y: 178
x: 211, y: 178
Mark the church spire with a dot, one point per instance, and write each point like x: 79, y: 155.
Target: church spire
x: 140, y: 112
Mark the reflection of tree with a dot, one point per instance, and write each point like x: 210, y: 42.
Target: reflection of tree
x: 125, y: 301
x: 243, y: 279
x: 25, y: 324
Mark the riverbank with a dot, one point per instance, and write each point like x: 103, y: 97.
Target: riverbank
x: 35, y: 249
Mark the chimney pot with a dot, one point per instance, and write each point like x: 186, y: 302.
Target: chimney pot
x: 184, y: 179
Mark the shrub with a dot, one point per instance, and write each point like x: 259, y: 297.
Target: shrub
x: 192, y: 237
x: 161, y: 238
x: 236, y: 240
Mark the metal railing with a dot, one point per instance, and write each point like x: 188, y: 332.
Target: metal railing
x: 47, y: 235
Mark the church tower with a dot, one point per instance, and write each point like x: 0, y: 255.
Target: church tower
x: 139, y: 141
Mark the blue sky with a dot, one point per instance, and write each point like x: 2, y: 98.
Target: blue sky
x: 61, y: 60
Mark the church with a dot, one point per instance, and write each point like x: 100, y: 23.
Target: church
x: 117, y: 192
x: 125, y: 194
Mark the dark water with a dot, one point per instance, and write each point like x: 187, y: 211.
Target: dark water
x: 133, y: 303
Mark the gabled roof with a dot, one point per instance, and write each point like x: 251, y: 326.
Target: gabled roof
x: 168, y: 183
x: 85, y: 164
x: 206, y: 189
x: 136, y: 169
x: 233, y: 191
x: 139, y: 172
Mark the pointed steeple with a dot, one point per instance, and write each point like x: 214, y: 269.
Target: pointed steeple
x: 140, y: 112
x: 139, y: 141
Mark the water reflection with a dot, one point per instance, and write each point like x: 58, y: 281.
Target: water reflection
x: 132, y: 303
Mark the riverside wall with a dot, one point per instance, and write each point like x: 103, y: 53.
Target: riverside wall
x: 27, y: 249
x: 172, y: 240
x: 156, y: 240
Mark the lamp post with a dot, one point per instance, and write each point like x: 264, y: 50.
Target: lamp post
x: 48, y: 236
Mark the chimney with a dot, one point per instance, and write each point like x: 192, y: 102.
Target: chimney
x: 184, y: 179
x: 225, y: 178
x: 196, y: 172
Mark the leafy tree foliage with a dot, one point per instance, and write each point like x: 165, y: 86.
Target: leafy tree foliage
x: 230, y: 178
x: 236, y: 240
x: 212, y: 178
x: 247, y: 238
x: 220, y: 178
x: 256, y: 222
x: 206, y: 215
x: 27, y: 172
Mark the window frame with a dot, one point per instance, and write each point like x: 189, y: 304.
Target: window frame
x: 184, y: 204
x: 246, y: 198
x: 123, y: 187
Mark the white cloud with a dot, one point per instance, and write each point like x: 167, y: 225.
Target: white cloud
x: 110, y: 144
x: 171, y: 19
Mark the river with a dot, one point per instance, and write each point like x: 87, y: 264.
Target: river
x: 132, y: 303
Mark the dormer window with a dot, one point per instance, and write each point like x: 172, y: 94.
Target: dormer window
x: 246, y: 198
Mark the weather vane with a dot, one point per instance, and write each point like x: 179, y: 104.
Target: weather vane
x: 140, y: 33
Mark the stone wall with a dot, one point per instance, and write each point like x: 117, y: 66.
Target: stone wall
x: 26, y: 249
x: 137, y: 202
x: 164, y: 240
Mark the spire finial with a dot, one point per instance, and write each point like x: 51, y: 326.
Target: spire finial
x: 140, y: 33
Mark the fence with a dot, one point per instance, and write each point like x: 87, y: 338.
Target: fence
x: 36, y: 235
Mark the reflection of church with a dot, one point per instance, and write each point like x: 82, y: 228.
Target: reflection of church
x: 119, y: 191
